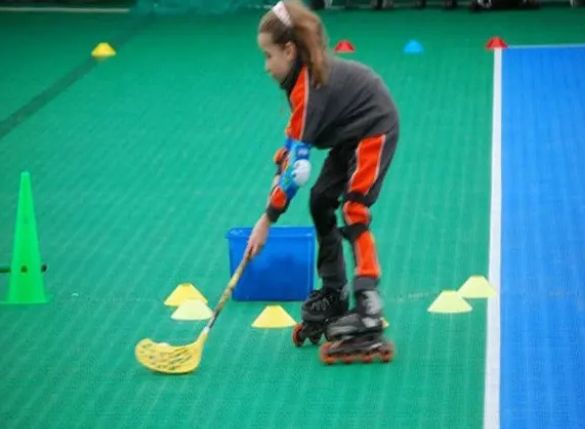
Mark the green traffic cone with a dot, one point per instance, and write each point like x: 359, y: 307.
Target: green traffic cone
x: 26, y: 285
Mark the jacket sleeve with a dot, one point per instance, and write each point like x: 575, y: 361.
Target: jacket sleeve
x: 294, y: 173
x: 307, y: 107
x: 292, y: 159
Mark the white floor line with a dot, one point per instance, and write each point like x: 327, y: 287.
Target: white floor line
x: 491, y: 417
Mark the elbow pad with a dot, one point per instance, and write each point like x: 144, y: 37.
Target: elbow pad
x: 297, y: 168
x: 295, y: 172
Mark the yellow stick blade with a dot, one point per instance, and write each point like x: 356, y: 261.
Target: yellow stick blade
x: 167, y: 359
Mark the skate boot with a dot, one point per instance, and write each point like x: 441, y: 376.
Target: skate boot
x: 358, y: 335
x: 318, y: 310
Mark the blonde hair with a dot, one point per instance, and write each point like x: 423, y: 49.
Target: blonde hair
x: 306, y: 32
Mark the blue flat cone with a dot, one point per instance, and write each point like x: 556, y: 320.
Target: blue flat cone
x: 413, y: 47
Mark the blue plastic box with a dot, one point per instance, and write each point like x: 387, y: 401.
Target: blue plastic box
x: 283, y: 271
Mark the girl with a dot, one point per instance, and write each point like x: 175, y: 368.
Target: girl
x: 341, y: 106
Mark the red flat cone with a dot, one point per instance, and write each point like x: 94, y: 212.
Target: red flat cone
x: 344, y: 46
x: 496, y: 42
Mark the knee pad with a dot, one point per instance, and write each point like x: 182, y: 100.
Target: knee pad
x: 355, y: 212
x: 353, y: 231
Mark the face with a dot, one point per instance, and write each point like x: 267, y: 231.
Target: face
x: 278, y: 59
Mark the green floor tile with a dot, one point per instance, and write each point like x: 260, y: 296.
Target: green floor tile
x: 140, y: 167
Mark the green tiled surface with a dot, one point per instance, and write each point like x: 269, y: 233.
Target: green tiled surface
x: 140, y: 167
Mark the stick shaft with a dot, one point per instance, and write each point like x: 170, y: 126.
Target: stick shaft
x: 227, y: 292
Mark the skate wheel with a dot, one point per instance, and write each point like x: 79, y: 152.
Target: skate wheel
x: 297, y: 338
x: 367, y: 358
x: 315, y: 339
x: 387, y: 354
x: 326, y: 358
x: 347, y: 358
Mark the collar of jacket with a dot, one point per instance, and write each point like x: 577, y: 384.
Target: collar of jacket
x: 289, y: 81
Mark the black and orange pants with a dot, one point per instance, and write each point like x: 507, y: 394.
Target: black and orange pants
x: 352, y: 176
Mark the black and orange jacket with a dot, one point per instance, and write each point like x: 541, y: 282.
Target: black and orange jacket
x: 353, y: 104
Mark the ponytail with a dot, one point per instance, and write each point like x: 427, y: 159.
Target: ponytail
x: 306, y: 31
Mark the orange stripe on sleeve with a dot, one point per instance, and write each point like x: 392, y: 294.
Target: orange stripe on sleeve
x: 299, y: 98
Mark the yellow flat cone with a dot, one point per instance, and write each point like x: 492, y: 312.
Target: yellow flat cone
x: 477, y: 287
x: 192, y: 309
x: 273, y: 316
x: 103, y: 50
x: 449, y: 301
x: 182, y: 293
x: 385, y: 323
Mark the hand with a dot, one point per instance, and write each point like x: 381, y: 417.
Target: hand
x: 258, y: 237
